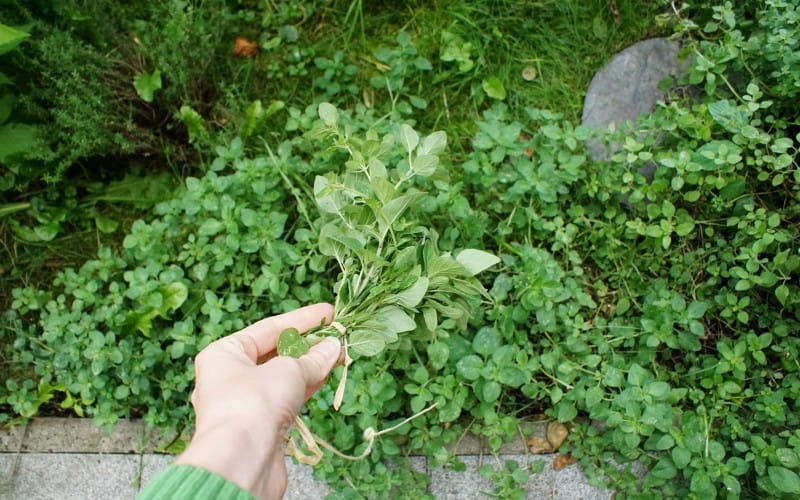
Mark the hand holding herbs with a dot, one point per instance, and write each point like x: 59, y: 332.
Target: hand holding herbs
x: 243, y: 407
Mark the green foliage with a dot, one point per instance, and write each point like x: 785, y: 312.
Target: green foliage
x: 658, y: 318
x: 393, y: 277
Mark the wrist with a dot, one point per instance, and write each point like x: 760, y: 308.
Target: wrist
x: 244, y: 453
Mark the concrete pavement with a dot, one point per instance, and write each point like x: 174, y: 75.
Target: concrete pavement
x: 65, y: 458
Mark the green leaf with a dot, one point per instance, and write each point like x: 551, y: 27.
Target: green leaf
x: 566, y: 411
x: 292, y: 344
x: 194, y: 124
x: 513, y: 376
x: 146, y: 84
x: 175, y: 294
x: 391, y: 211
x: 476, y: 261
x: 785, y: 480
x: 659, y: 390
x: 782, y: 294
x: 490, y: 391
x: 664, y: 469
x: 681, y: 457
x: 469, y: 367
x: 412, y: 296
x: 408, y: 137
x: 697, y: 309
x: 494, y: 88
x: 486, y: 341
x: 637, y: 375
x: 328, y: 114
x: 433, y: 144
x: 105, y: 224
x: 366, y: 342
x: 395, y: 319
x: 10, y: 38
x: 17, y: 140
x: 334, y: 241
x: 253, y: 116
x: 438, y: 354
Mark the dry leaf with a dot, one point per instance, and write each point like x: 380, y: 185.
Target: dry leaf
x: 538, y: 444
x: 562, y: 461
x: 244, y: 47
x: 556, y: 434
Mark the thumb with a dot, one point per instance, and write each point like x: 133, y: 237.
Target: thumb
x: 318, y: 362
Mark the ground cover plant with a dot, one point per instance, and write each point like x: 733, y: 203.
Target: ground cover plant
x: 661, y: 330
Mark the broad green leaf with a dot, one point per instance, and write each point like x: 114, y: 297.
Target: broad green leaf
x: 210, y: 227
x: 146, y: 84
x: 433, y: 144
x: 659, y: 390
x: 681, y: 457
x: 334, y: 240
x: 470, y: 367
x: 395, y: 319
x: 425, y: 165
x: 175, y: 294
x: 412, y: 296
x: 438, y: 353
x: 785, y: 480
x: 328, y: 199
x: 490, y: 391
x: 476, y: 261
x: 494, y: 88
x: 10, y: 38
x: 664, y: 469
x: 513, y: 376
x: 409, y: 137
x: 105, y: 224
x: 292, y: 344
x: 391, y: 211
x: 486, y: 341
x: 366, y: 342
x: 328, y: 114
x: 17, y: 139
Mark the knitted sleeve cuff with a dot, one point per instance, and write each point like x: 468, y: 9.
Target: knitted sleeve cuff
x: 186, y: 481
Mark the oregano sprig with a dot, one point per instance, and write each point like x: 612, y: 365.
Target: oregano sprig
x: 393, y: 279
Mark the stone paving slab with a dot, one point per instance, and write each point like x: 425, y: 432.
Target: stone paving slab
x: 54, y: 476
x: 11, y: 438
x: 79, y: 435
x: 71, y: 458
x: 568, y: 483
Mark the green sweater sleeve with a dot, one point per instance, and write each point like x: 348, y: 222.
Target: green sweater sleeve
x: 185, y: 481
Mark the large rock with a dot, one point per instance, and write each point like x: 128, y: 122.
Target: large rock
x: 628, y: 86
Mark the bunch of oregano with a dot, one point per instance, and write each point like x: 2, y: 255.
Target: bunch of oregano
x: 393, y: 279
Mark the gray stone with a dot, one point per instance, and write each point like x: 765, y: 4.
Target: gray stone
x: 302, y: 484
x: 568, y: 483
x: 8, y: 466
x: 152, y: 464
x: 80, y: 435
x: 55, y: 476
x: 627, y: 87
x: 11, y: 438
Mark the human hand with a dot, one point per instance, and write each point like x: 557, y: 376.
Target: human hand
x: 246, y: 398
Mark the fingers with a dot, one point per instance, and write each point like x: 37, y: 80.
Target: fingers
x: 261, y: 338
x: 318, y: 362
